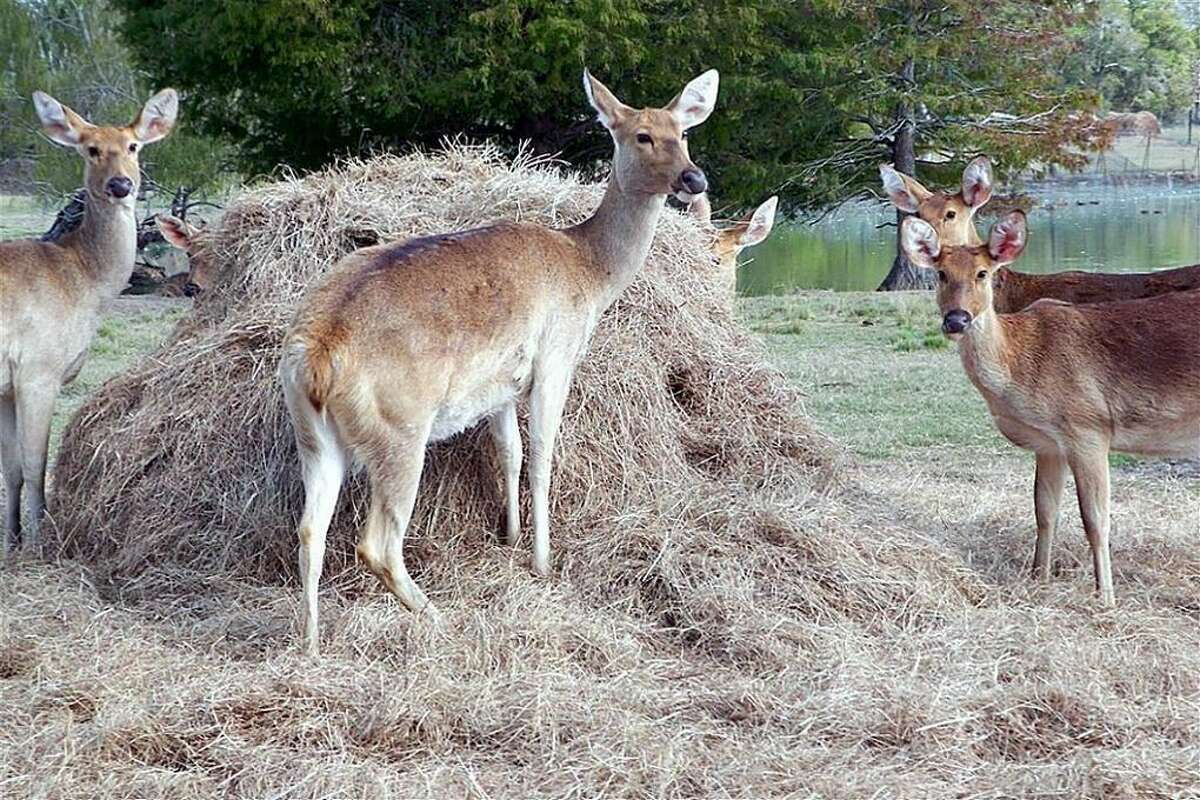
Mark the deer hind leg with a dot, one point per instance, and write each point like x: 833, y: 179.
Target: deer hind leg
x: 1091, y: 485
x: 10, y: 466
x: 323, y: 464
x: 1047, y: 498
x: 546, y: 400
x: 395, y: 476
x: 506, y: 435
x: 35, y: 410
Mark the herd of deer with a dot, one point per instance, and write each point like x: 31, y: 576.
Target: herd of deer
x: 412, y: 342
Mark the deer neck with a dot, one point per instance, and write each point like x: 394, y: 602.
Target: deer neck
x: 982, y: 350
x: 106, y: 242
x: 619, y: 235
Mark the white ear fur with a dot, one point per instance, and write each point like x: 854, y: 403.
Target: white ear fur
x: 761, y: 223
x: 603, y: 100
x: 977, y: 182
x: 920, y: 242
x: 176, y: 231
x: 1007, y: 239
x: 56, y: 122
x: 695, y: 103
x: 157, y: 117
x: 897, y: 189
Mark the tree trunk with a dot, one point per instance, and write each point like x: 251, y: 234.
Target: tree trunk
x: 903, y: 274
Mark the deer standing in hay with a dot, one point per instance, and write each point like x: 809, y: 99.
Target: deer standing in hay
x: 187, y: 237
x: 408, y: 343
x: 51, y: 292
x: 730, y: 242
x: 1069, y: 382
x: 952, y: 216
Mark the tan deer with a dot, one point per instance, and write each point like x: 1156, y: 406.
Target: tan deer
x: 1069, y: 382
x: 409, y: 343
x: 51, y: 292
x: 952, y: 216
x: 731, y: 241
x: 188, y: 238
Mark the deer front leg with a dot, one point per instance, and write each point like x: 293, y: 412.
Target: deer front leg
x: 1047, y: 497
x: 547, y: 397
x: 1091, y: 485
x: 10, y: 466
x: 506, y: 435
x: 35, y: 410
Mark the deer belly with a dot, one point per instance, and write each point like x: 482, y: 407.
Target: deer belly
x: 466, y: 405
x: 1176, y: 439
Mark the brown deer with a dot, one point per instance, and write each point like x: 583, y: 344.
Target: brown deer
x: 188, y: 238
x: 952, y: 216
x: 51, y: 292
x: 731, y: 241
x: 408, y: 343
x: 1069, y: 382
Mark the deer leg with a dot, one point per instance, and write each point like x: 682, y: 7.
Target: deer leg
x: 10, y: 466
x: 35, y: 410
x: 394, y: 481
x: 546, y: 400
x: 1047, y: 497
x: 1091, y: 485
x: 324, y: 465
x: 507, y: 438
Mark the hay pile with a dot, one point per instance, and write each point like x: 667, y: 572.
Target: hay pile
x: 729, y: 614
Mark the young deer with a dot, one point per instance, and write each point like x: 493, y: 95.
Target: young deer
x: 408, y: 343
x: 186, y: 236
x: 733, y: 240
x: 1069, y: 382
x: 51, y: 293
x: 952, y: 216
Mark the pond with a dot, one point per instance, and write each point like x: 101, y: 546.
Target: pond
x: 1114, y: 230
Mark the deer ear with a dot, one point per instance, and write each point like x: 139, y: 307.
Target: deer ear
x: 694, y: 104
x: 157, y: 117
x: 920, y: 242
x: 906, y: 193
x: 1007, y: 240
x: 176, y: 231
x: 760, y: 224
x: 610, y: 109
x: 977, y: 182
x: 60, y: 123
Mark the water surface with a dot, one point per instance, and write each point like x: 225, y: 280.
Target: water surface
x: 1116, y: 230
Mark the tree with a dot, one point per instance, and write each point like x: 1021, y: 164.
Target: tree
x: 299, y: 82
x: 929, y: 84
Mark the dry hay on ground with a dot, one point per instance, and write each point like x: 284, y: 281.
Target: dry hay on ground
x: 729, y: 614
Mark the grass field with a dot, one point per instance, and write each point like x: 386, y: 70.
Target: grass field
x: 163, y: 689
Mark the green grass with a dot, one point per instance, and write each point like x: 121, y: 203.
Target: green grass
x: 878, y: 374
x: 21, y: 216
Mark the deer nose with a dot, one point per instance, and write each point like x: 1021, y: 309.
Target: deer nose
x: 694, y: 181
x: 120, y: 186
x: 191, y: 289
x: 955, y: 321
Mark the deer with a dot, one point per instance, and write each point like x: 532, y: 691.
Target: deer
x: 730, y: 242
x: 1069, y: 382
x: 188, y: 238
x: 407, y: 343
x: 952, y: 216
x: 51, y: 293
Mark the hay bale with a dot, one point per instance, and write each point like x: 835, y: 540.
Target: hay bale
x: 686, y: 477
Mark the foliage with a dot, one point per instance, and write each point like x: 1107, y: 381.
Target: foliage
x: 71, y: 50
x: 1140, y: 55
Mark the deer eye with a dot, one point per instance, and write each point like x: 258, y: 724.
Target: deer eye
x: 941, y: 276
x: 133, y: 147
x: 950, y: 215
x: 644, y: 138
x: 981, y: 274
x: 94, y: 151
